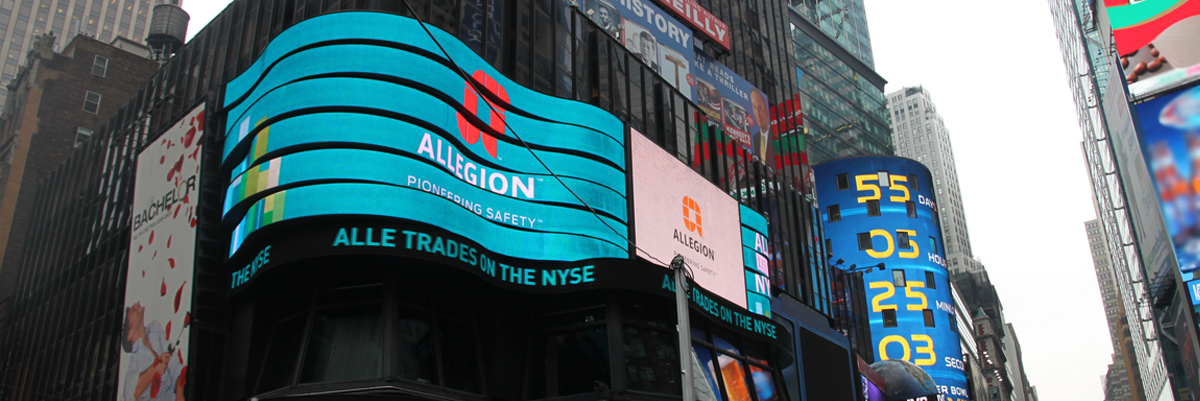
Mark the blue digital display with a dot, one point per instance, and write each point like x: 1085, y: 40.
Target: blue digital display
x: 885, y: 211
x: 359, y: 114
x: 1170, y: 142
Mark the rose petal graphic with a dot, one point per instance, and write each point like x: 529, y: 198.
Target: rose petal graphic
x: 188, y: 137
x: 187, y: 319
x: 151, y: 241
x: 163, y: 292
x: 169, y: 239
x: 154, y: 256
x: 177, y: 209
x: 178, y: 294
x: 155, y: 384
x: 163, y: 160
x: 168, y: 330
x: 143, y: 273
x: 172, y: 262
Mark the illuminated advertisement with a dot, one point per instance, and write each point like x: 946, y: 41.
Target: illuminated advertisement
x: 756, y: 257
x: 1157, y: 42
x: 700, y: 19
x: 351, y: 134
x: 1194, y: 291
x: 879, y: 209
x: 678, y: 212
x: 871, y: 392
x: 162, y: 248
x: 653, y: 36
x: 742, y: 111
x: 1170, y: 144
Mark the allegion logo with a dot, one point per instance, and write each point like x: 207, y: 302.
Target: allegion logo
x: 470, y: 132
x: 691, y: 220
x: 690, y: 209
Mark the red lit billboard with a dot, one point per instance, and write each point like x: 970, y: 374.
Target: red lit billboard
x: 700, y: 19
x: 1157, y: 42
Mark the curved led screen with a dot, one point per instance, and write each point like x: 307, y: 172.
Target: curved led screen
x: 882, y: 210
x: 359, y: 117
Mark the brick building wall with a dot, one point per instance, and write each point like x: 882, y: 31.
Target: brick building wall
x: 41, y: 122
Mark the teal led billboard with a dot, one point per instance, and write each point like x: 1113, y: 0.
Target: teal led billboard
x: 356, y: 129
x: 881, y: 209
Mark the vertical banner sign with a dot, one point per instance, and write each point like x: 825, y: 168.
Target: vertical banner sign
x: 154, y: 336
x: 756, y: 259
x: 742, y: 110
x: 1170, y: 141
x: 653, y: 36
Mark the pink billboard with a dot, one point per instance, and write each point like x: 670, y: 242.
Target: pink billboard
x: 678, y: 212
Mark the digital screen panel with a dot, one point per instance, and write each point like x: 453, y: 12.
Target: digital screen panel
x: 1157, y: 42
x: 678, y: 212
x: 1170, y: 145
x: 360, y: 114
x: 653, y: 36
x: 871, y: 392
x: 885, y: 212
x: 154, y: 342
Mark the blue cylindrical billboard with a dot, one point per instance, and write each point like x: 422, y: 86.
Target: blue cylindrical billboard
x: 881, y: 211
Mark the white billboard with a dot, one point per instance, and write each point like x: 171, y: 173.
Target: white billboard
x: 678, y: 212
x: 158, y: 284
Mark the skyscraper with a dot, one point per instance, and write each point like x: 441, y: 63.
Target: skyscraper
x: 841, y: 94
x: 1118, y: 382
x: 1075, y: 23
x: 22, y: 21
x: 919, y: 133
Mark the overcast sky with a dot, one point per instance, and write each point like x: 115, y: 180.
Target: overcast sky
x: 997, y: 77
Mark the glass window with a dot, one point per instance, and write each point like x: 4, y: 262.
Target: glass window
x: 911, y: 208
x: 902, y: 240
x: 346, y: 345
x: 912, y: 180
x: 651, y: 362
x: 843, y: 182
x: 864, y: 241
x: 930, y: 283
x: 100, y: 66
x: 928, y: 317
x: 898, y: 278
x: 82, y: 135
x: 415, y: 344
x: 873, y: 207
x: 734, y: 378
x: 835, y: 213
x: 889, y: 318
x: 91, y: 102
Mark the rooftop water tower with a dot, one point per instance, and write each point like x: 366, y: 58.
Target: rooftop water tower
x: 168, y: 29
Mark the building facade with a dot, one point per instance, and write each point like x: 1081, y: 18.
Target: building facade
x: 23, y: 21
x: 845, y: 113
x: 919, y: 133
x: 57, y: 103
x: 1118, y: 378
x: 1139, y: 266
x: 347, y: 245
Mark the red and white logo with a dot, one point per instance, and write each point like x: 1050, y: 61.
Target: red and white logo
x: 470, y: 132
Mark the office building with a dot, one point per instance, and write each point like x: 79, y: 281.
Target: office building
x: 1118, y: 379
x: 1124, y: 196
x: 23, y: 21
x: 920, y: 133
x: 841, y: 94
x: 310, y: 200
